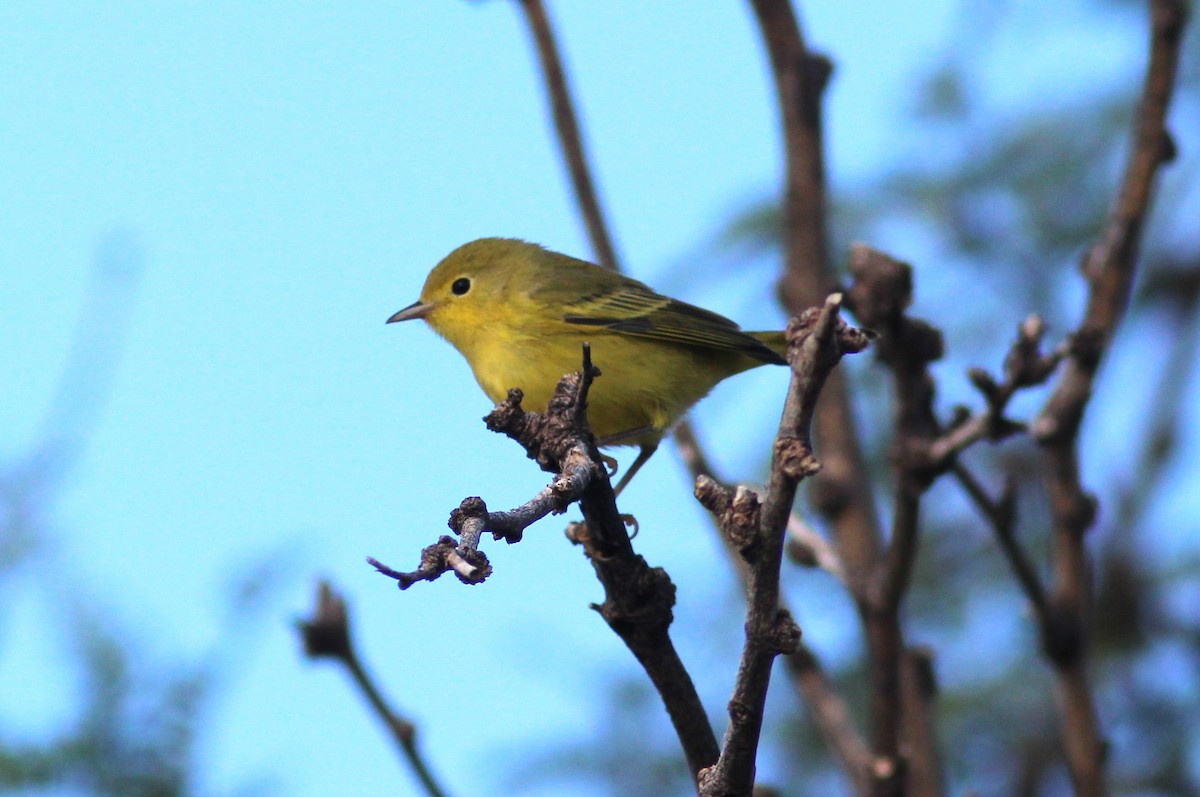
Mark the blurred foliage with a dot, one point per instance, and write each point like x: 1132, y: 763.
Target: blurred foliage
x: 995, y: 207
x: 134, y: 731
x: 134, y: 718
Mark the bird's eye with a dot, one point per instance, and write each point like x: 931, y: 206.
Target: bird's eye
x: 460, y: 286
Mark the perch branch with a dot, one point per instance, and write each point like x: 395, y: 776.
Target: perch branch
x: 560, y: 442
x: 570, y: 139
x: 846, y: 470
x: 638, y: 598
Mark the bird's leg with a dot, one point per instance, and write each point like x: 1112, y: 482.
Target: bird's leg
x: 644, y: 454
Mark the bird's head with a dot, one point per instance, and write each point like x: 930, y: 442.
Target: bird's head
x: 471, y: 289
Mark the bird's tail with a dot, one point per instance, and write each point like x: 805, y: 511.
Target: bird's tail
x: 774, y: 341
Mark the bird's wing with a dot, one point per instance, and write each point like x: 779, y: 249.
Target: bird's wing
x: 631, y: 308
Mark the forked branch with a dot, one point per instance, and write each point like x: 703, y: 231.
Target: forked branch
x: 639, y: 599
x: 816, y: 342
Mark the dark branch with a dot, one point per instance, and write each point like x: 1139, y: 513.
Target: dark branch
x: 569, y: 137
x: 816, y: 342
x: 825, y: 702
x: 1002, y: 515
x: 800, y: 80
x: 831, y: 713
x: 919, y: 686
x: 638, y: 598
x: 879, y: 296
x: 638, y: 607
x: 560, y: 442
x: 1109, y: 268
x: 842, y: 491
x: 1024, y: 366
x: 570, y: 141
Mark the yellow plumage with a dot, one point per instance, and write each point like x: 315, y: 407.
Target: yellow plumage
x: 520, y: 313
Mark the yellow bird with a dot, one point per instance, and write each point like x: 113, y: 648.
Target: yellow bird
x: 520, y: 313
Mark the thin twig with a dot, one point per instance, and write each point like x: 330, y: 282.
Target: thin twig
x: 1024, y: 366
x: 906, y: 757
x: 830, y: 711
x: 1167, y: 413
x: 800, y: 80
x: 1002, y: 515
x: 569, y: 136
x: 559, y: 441
x: 844, y: 469
x: 1109, y: 266
x: 570, y: 139
x: 327, y: 635
x: 832, y: 715
x: 806, y: 546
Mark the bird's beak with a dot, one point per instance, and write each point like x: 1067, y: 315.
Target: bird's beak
x: 414, y: 310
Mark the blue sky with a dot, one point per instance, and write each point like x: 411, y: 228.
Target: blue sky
x: 286, y: 175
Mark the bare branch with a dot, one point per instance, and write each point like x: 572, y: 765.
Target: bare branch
x: 807, y: 547
x: 327, y: 635
x: 919, y: 687
x: 879, y: 296
x: 817, y: 340
x: 569, y: 137
x: 1024, y: 366
x: 1109, y: 268
x: 1110, y: 264
x: 638, y: 598
x: 560, y: 442
x: 831, y: 714
x: 570, y: 140
x: 1002, y: 515
x: 842, y: 491
x: 826, y: 704
x: 829, y: 709
x: 692, y: 452
x: 638, y: 606
x: 1167, y: 413
x: 800, y: 80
